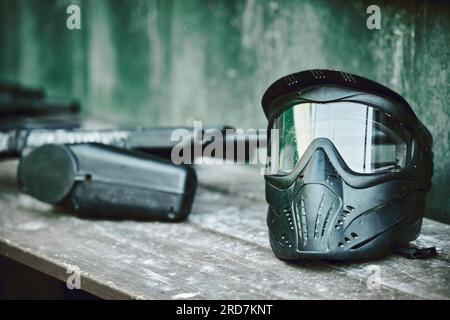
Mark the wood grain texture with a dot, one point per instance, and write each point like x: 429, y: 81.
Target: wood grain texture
x: 221, y: 252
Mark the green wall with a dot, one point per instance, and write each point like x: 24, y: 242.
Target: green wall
x: 172, y: 61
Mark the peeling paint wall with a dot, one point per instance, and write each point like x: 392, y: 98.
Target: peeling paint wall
x: 169, y: 62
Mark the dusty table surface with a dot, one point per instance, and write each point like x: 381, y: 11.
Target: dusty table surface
x: 220, y: 252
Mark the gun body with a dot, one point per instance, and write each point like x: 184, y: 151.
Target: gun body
x: 96, y: 180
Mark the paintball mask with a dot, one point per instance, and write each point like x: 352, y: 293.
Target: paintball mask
x: 349, y: 165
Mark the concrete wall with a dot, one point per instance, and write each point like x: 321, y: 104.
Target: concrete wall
x: 172, y: 61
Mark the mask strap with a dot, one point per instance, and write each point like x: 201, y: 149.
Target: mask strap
x: 411, y: 251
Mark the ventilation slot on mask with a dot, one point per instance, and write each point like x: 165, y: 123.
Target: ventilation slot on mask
x: 318, y: 218
x: 300, y: 217
x: 348, y: 240
x: 285, y: 240
x: 288, y: 213
x: 325, y: 222
x: 345, y: 213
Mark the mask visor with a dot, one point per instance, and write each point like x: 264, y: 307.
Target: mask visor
x: 367, y: 139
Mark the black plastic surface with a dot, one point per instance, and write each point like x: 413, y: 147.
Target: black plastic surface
x: 103, y: 181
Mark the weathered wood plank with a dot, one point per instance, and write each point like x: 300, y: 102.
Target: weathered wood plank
x: 245, y: 219
x: 221, y: 252
x: 162, y: 260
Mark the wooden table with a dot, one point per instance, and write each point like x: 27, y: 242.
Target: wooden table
x: 221, y: 252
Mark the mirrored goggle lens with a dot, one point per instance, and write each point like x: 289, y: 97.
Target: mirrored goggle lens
x: 367, y: 139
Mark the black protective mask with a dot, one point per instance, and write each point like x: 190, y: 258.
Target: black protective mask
x: 349, y: 165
